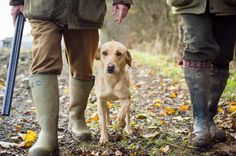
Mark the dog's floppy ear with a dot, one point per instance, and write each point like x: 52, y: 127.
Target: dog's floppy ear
x: 128, y: 58
x: 98, y: 55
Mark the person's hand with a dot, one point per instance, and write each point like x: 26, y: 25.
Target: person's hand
x: 121, y: 11
x: 15, y: 11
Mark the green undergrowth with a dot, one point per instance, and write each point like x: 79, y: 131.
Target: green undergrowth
x: 166, y: 66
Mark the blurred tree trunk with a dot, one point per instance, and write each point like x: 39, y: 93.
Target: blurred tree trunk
x: 150, y: 26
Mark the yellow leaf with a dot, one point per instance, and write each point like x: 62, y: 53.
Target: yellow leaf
x: 66, y: 91
x: 173, y: 95
x: 109, y: 105
x: 170, y: 110
x: 161, y: 122
x: 25, y: 144
x: 157, y: 104
x: 232, y: 103
x: 30, y: 135
x: 184, y: 108
x: 141, y: 116
x: 232, y: 108
x: 157, y: 101
x: 220, y: 110
x: 93, y: 118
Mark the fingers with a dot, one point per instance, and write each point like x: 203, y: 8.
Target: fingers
x: 114, y: 10
x: 122, y: 12
x: 15, y: 11
x: 13, y: 14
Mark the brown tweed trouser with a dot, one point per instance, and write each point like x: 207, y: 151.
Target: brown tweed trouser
x: 80, y: 49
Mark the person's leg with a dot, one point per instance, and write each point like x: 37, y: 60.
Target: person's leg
x: 81, y: 46
x: 225, y: 34
x: 200, y: 50
x: 46, y: 65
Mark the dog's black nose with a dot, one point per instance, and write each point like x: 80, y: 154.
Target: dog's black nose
x: 111, y: 69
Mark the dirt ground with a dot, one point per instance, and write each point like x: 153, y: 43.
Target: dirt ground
x: 160, y: 114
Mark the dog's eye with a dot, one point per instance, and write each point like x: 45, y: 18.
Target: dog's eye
x: 118, y: 53
x: 104, y: 53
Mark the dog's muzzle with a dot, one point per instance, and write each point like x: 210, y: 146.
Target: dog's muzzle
x: 111, y: 68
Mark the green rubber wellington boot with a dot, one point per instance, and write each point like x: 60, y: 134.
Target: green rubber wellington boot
x: 197, y: 77
x: 79, y: 93
x: 219, y: 79
x: 45, y: 95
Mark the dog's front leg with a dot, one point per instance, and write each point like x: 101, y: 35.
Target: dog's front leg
x: 107, y: 115
x: 102, y: 121
x: 123, y: 118
x: 128, y: 127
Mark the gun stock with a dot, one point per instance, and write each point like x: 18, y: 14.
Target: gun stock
x: 12, y: 68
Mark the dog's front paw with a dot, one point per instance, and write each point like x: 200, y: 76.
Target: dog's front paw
x: 103, y: 140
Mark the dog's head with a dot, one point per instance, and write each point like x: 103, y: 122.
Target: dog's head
x: 114, y: 56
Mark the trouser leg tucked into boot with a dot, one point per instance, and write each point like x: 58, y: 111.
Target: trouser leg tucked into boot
x: 45, y: 95
x: 79, y: 93
x: 219, y: 79
x: 197, y: 77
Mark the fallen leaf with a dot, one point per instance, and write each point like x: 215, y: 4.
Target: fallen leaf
x: 161, y: 122
x: 28, y: 138
x: 165, y: 149
x: 220, y: 109
x: 25, y: 144
x: 109, y: 105
x: 184, y: 108
x: 30, y: 135
x: 93, y: 118
x: 157, y: 104
x: 232, y: 103
x: 173, y: 95
x: 170, y: 110
x: 141, y: 116
x: 232, y: 108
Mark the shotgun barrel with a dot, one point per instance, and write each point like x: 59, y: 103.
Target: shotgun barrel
x: 12, y: 68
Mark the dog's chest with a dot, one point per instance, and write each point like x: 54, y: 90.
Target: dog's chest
x: 115, y: 89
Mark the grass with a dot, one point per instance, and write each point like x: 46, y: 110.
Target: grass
x: 165, y: 65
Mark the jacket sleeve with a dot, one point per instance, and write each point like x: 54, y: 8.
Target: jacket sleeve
x: 16, y: 2
x: 128, y: 3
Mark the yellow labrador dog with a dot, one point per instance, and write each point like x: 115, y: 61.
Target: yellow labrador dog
x: 112, y: 83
